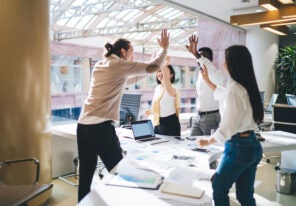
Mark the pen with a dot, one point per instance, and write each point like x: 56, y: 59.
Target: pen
x: 159, y: 142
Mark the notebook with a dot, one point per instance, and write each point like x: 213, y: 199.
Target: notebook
x: 182, y: 190
x: 143, y: 131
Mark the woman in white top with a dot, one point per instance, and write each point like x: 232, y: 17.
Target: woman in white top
x: 241, y: 110
x: 166, y: 104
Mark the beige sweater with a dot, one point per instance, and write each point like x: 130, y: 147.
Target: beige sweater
x: 108, y: 81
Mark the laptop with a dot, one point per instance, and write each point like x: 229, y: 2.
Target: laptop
x: 143, y: 131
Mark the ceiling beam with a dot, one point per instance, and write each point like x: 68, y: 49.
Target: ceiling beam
x: 267, y: 17
x: 269, y: 5
x: 187, y: 23
x: 94, y: 9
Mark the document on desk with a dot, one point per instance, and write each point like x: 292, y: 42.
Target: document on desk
x: 187, y: 175
x: 130, y: 180
x: 182, y: 190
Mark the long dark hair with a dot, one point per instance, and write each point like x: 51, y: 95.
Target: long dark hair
x: 117, y: 46
x: 172, y: 71
x: 240, y: 66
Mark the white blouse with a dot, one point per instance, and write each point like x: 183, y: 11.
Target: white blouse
x: 205, y: 100
x: 236, y: 111
x: 167, y: 102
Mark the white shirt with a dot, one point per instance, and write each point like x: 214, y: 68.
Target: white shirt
x: 205, y: 99
x: 167, y: 102
x: 236, y: 111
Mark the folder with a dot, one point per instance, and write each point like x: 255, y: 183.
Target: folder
x: 182, y: 190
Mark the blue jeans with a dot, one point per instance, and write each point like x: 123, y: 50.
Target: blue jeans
x: 238, y: 164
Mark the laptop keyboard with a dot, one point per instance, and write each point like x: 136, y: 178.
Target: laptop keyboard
x: 148, y: 139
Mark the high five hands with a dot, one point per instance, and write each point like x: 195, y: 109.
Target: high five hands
x: 164, y: 39
x: 192, y: 47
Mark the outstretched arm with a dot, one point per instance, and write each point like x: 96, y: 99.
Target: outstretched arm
x: 164, y: 39
x: 205, y: 76
x: 192, y: 46
x: 167, y: 81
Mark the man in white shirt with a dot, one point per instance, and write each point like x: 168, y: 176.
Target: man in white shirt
x: 207, y: 117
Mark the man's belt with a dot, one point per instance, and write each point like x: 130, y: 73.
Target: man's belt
x: 208, y: 112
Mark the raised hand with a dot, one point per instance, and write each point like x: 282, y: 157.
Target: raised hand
x: 192, y: 47
x: 164, y: 40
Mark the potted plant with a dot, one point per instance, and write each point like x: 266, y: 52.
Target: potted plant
x: 285, y: 67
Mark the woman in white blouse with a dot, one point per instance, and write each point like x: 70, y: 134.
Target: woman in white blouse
x: 166, y: 103
x: 241, y: 110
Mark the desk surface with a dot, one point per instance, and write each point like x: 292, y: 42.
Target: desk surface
x: 159, y: 158
x: 278, y: 141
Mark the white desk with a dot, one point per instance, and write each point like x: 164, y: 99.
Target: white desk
x: 64, y: 149
x: 278, y: 141
x: 158, y: 158
x: 113, y: 195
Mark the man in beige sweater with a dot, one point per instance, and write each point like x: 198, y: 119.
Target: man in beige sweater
x: 95, y: 131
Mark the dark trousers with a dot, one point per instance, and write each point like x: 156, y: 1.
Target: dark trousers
x: 93, y: 140
x: 169, y: 125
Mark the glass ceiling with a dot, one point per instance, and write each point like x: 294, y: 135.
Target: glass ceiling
x: 138, y: 20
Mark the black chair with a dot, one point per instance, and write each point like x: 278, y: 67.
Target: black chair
x: 129, y: 108
x: 29, y: 194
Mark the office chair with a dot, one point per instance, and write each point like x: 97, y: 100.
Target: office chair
x: 266, y: 125
x: 129, y: 108
x: 29, y: 194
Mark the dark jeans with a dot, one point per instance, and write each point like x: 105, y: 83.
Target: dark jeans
x: 93, y: 140
x: 238, y: 164
x: 169, y: 125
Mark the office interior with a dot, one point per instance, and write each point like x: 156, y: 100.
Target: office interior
x: 44, y: 80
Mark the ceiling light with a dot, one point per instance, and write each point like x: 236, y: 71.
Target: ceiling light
x: 279, y: 30
x: 290, y: 22
x: 287, y: 1
x: 270, y: 5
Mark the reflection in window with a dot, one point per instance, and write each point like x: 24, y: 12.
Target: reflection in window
x: 66, y: 88
x: 65, y: 75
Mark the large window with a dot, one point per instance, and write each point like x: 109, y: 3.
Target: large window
x: 66, y: 88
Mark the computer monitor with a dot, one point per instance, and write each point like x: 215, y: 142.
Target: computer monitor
x: 129, y: 108
x: 262, y: 95
x: 291, y: 99
x: 271, y: 102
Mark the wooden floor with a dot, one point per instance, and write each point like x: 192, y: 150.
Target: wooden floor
x: 65, y: 194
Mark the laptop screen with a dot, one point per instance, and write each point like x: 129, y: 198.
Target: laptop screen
x: 142, y: 129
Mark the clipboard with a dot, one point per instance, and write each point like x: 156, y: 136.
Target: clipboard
x: 182, y: 190
x: 152, y: 182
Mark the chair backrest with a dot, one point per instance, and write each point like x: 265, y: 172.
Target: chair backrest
x: 129, y: 108
x: 272, y: 102
x: 291, y: 99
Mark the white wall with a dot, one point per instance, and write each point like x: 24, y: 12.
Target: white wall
x: 263, y: 46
